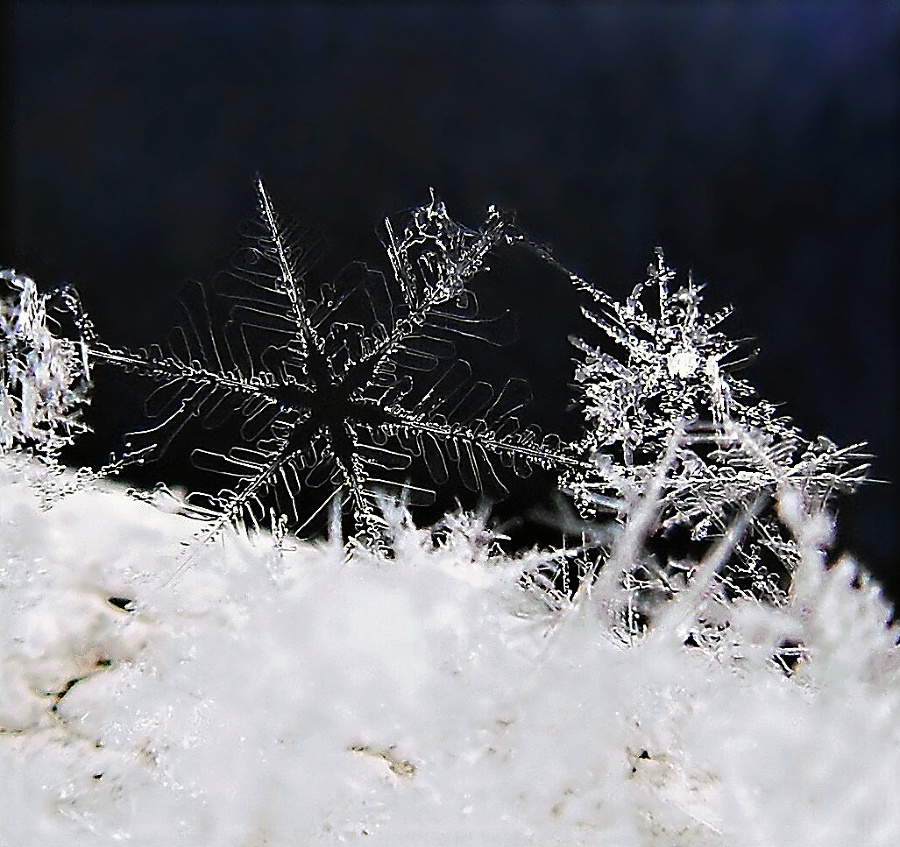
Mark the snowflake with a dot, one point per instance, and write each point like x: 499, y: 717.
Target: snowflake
x: 667, y: 419
x: 346, y: 390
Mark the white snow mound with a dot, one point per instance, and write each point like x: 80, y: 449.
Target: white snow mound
x: 301, y: 696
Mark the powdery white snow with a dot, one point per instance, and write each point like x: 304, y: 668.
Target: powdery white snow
x: 302, y: 696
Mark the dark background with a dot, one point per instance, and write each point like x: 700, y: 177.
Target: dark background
x: 755, y: 142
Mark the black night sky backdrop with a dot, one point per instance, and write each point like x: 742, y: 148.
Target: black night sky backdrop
x: 755, y: 142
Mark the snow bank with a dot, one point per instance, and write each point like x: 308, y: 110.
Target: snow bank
x: 301, y: 696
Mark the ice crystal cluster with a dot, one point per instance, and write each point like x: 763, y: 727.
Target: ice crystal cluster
x: 45, y: 375
x: 339, y: 392
x: 383, y: 683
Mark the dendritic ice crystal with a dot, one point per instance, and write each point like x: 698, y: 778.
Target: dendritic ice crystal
x: 345, y: 388
x: 355, y: 389
x: 664, y: 409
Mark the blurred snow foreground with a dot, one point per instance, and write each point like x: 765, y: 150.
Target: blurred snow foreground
x: 295, y: 693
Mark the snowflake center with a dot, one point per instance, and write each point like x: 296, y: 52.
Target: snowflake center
x: 682, y: 362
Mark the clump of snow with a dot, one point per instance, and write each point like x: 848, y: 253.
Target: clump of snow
x: 295, y: 694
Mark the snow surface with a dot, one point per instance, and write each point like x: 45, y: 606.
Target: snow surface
x: 305, y: 696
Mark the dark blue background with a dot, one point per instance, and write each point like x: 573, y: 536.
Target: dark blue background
x: 755, y: 142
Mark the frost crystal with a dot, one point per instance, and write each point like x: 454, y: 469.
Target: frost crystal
x: 45, y: 377
x: 671, y: 427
